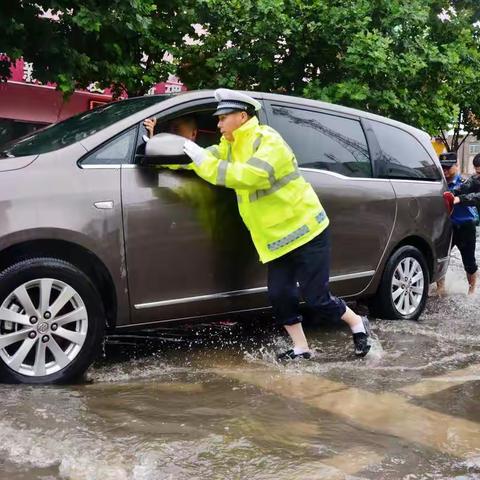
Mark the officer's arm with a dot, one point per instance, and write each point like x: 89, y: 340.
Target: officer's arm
x: 215, y: 149
x: 256, y: 174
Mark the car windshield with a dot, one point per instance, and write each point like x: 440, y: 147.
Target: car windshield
x: 74, y: 129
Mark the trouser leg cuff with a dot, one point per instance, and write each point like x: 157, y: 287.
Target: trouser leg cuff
x: 471, y: 269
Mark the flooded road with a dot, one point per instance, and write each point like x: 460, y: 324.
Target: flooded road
x: 210, y: 402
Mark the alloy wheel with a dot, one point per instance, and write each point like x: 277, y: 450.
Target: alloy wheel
x: 43, y: 326
x: 407, y: 286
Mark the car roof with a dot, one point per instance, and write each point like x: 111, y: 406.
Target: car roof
x: 301, y: 101
x: 168, y: 101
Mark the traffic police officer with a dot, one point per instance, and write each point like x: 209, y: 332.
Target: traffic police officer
x: 286, y: 220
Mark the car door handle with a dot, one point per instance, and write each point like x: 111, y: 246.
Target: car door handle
x: 104, y: 205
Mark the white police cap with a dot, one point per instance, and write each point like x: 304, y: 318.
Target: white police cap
x: 230, y: 101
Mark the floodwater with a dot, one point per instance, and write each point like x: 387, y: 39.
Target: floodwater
x: 210, y: 402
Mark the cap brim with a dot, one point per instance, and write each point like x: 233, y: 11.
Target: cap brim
x: 226, y: 111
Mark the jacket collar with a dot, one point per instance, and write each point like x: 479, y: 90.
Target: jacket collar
x: 245, y: 129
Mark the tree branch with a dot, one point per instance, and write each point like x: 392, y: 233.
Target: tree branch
x: 456, y: 132
x: 464, y: 138
x: 444, y: 140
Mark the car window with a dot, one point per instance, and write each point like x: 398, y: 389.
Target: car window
x: 207, y: 131
x: 324, y: 141
x: 115, y: 152
x: 403, y: 155
x: 78, y: 127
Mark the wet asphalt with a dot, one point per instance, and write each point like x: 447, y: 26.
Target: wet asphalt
x: 209, y: 401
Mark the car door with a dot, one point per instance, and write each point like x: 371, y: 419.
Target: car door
x: 333, y: 155
x: 418, y: 183
x: 188, y: 252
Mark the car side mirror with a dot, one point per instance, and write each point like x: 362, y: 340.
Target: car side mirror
x: 164, y: 149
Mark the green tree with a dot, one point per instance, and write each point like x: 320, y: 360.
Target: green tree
x: 117, y: 43
x: 413, y: 60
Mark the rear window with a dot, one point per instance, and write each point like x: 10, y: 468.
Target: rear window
x: 404, y: 157
x: 74, y: 129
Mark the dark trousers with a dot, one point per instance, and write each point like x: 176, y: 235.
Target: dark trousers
x: 464, y: 238
x: 309, y: 265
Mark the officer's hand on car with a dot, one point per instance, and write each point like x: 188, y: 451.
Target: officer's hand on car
x: 196, y: 153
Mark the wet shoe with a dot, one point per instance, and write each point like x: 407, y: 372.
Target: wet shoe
x: 291, y: 355
x: 361, y: 340
x: 362, y: 345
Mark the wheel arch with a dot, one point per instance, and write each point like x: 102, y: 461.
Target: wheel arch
x: 422, y: 245
x: 378, y: 303
x: 81, y: 257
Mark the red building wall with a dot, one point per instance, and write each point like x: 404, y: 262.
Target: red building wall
x: 25, y: 104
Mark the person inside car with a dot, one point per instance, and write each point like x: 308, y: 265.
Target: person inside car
x: 185, y: 126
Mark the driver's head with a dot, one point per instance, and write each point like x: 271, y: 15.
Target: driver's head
x: 184, y: 126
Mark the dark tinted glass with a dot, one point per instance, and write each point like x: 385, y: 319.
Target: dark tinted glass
x: 403, y: 155
x: 80, y: 126
x: 115, y: 152
x: 323, y: 141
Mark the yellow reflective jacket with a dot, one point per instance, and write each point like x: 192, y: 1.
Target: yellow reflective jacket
x: 278, y: 206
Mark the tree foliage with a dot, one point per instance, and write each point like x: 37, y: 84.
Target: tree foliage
x: 117, y: 43
x: 417, y: 61
x: 413, y: 60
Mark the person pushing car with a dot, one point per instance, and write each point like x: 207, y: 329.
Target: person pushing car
x: 287, y: 223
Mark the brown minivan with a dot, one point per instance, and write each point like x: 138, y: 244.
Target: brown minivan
x: 95, y: 236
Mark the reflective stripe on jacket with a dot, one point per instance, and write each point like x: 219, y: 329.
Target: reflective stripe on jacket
x: 281, y: 209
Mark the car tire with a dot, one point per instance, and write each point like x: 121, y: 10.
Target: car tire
x: 403, y: 290
x: 52, y: 322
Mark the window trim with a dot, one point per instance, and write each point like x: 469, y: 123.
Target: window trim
x: 368, y: 179
x: 269, y: 104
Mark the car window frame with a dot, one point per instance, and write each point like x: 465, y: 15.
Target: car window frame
x: 181, y: 106
x: 269, y: 104
x: 83, y: 166
x: 187, y: 108
x: 383, y: 165
x: 165, y: 116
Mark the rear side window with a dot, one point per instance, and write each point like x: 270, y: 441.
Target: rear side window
x: 324, y: 141
x: 402, y: 154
